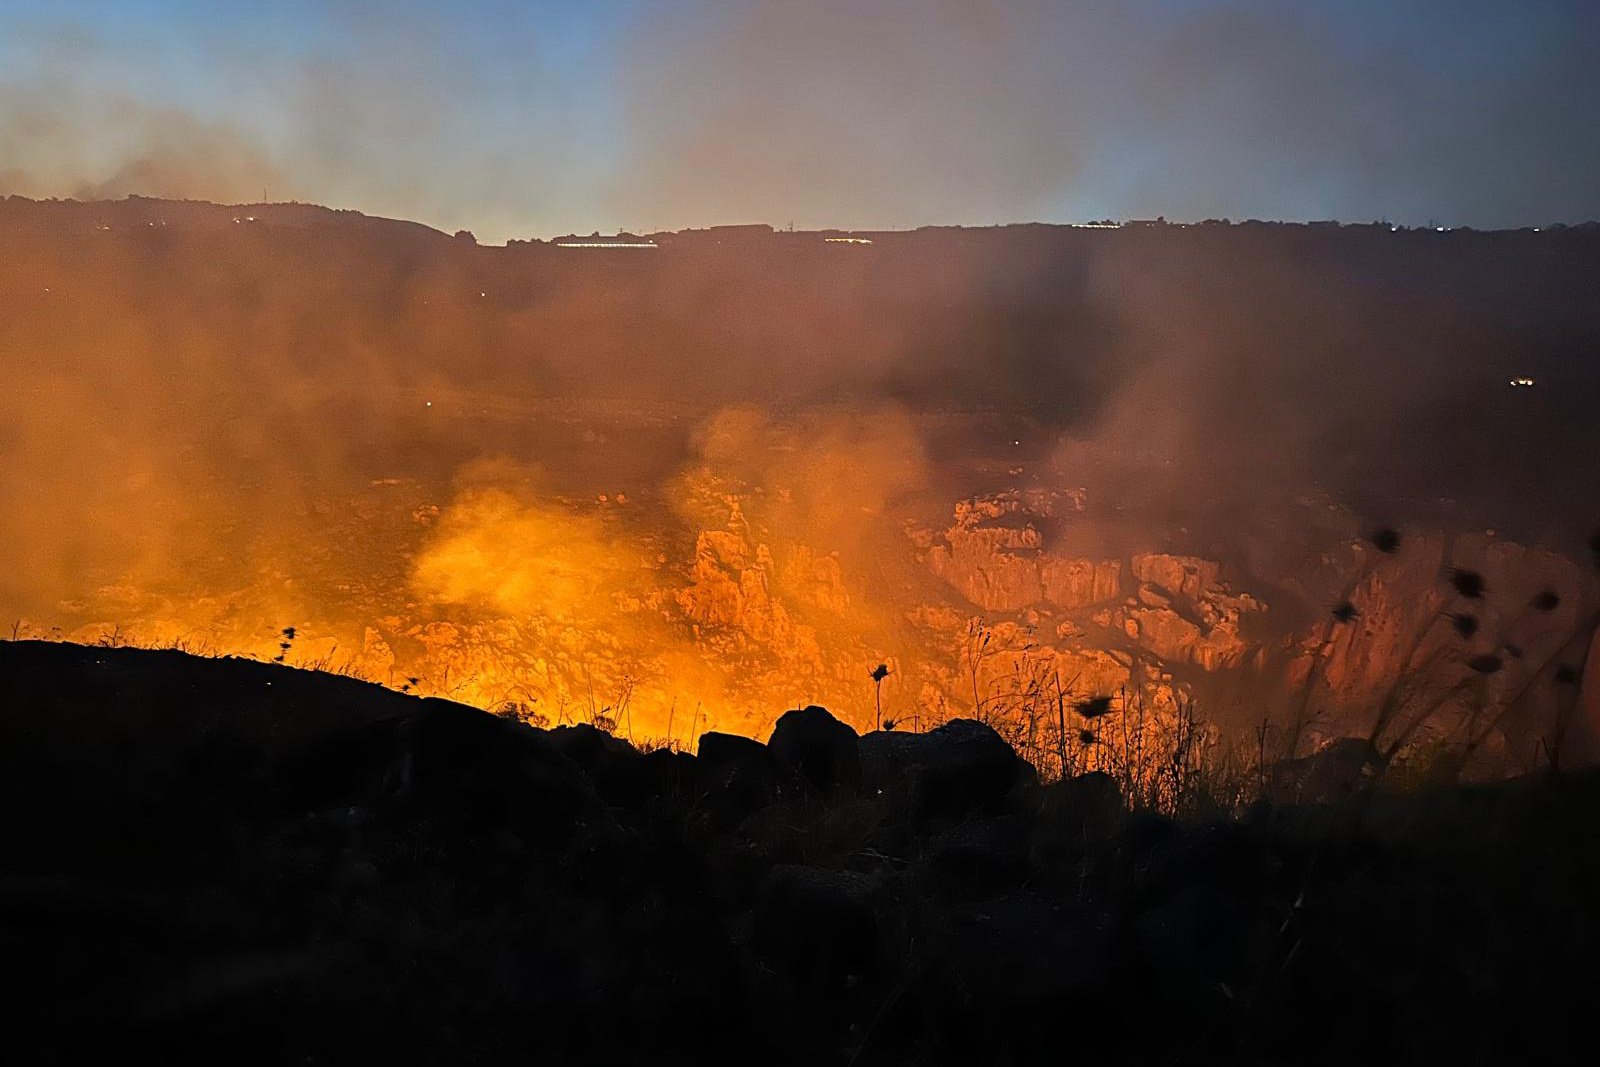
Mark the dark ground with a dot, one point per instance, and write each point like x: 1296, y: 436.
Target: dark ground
x: 224, y: 859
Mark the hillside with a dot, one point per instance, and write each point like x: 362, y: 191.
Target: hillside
x: 209, y: 854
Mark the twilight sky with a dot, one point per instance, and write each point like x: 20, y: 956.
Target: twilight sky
x: 542, y: 117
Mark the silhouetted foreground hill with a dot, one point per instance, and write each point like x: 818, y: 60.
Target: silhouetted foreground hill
x: 227, y: 859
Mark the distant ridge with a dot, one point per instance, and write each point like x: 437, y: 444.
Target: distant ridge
x: 85, y: 216
x: 82, y: 216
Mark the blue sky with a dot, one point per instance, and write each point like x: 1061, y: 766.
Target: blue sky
x: 534, y: 118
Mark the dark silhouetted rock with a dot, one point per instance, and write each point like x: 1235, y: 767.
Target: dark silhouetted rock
x: 611, y: 764
x: 663, y: 773
x: 819, y: 923
x: 819, y: 748
x: 721, y: 750
x: 488, y: 771
x: 957, y: 768
x: 982, y: 858
x: 1328, y: 776
x: 1088, y: 806
x: 589, y: 746
x: 737, y: 775
x: 887, y: 757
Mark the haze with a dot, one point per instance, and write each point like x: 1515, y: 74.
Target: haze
x: 541, y: 118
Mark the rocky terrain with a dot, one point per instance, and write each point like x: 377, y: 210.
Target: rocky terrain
x: 1014, y: 467
x: 217, y: 854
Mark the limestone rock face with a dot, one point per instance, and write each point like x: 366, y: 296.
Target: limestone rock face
x: 1076, y: 583
x: 1184, y: 613
x: 1403, y: 627
x: 1183, y: 576
x: 996, y: 555
x: 716, y: 593
x: 734, y: 586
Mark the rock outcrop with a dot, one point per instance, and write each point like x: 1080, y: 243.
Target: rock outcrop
x: 817, y: 747
x: 995, y: 554
x: 1184, y: 613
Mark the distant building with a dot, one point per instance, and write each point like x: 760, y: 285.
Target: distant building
x: 595, y: 240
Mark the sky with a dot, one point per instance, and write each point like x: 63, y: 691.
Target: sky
x: 539, y: 118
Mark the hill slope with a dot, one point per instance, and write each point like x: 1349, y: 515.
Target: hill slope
x: 295, y: 867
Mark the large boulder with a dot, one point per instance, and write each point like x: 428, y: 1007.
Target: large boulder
x: 589, y: 746
x: 818, y: 748
x: 725, y: 750
x: 949, y: 772
x: 738, y: 776
x: 887, y: 757
x: 661, y: 774
x: 485, y: 771
x: 615, y: 767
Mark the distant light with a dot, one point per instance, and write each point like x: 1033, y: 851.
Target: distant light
x: 1440, y: 229
x: 429, y: 404
x: 847, y: 240
x: 1522, y: 383
x: 607, y: 244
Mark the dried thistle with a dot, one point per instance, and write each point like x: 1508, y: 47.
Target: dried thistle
x: 1485, y: 664
x: 1094, y: 707
x: 1467, y: 583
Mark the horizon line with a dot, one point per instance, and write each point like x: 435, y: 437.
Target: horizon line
x: 1103, y: 224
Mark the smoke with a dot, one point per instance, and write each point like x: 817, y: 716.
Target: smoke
x: 899, y: 112
x: 895, y: 112
x: 410, y: 113
x: 829, y: 469
x: 848, y: 114
x: 60, y: 139
x: 753, y: 586
x: 710, y: 459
